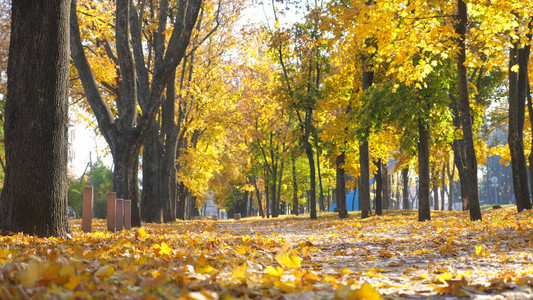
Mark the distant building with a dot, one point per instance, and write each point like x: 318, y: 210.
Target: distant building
x: 210, y: 208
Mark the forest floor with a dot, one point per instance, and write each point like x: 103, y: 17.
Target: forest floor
x: 386, y: 257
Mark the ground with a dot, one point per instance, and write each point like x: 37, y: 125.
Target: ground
x: 392, y: 256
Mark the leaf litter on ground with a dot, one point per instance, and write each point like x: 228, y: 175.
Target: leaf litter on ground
x: 382, y: 257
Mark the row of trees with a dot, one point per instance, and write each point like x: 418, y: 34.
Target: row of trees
x: 278, y: 108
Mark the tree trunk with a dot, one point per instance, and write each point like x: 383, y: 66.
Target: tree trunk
x: 280, y: 178
x: 125, y: 179
x: 295, y: 205
x: 364, y: 186
x: 386, y: 192
x: 267, y: 204
x: 379, y: 188
x: 443, y: 190
x: 364, y: 157
x: 435, y: 197
x: 405, y: 194
x: 321, y: 203
x: 423, y: 172
x: 312, y: 178
x: 451, y: 174
x: 258, y: 193
x: 518, y: 91
x: 34, y: 197
x: 341, y: 186
x: 470, y: 163
x: 151, y: 204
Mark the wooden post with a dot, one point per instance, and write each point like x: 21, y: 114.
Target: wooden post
x: 127, y: 214
x: 111, y: 211
x: 87, y: 209
x: 119, y: 220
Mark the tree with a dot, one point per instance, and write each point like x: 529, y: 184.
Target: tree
x: 142, y: 79
x: 34, y: 198
x: 469, y: 162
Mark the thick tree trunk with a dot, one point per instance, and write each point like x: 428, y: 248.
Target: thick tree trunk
x: 340, y: 193
x: 364, y: 186
x: 516, y: 144
x: 181, y: 206
x: 424, y: 212
x: 470, y: 163
x: 405, y: 192
x: 518, y: 91
x: 364, y: 156
x: 151, y: 205
x: 379, y: 188
x: 295, y: 205
x: 34, y: 197
x: 126, y: 180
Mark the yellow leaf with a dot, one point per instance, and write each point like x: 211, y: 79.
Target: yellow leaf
x: 479, y: 250
x: 239, y: 273
x: 366, y: 292
x: 105, y: 271
x: 276, y: 272
x: 289, y: 261
x: 32, y: 274
x: 73, y: 282
x: 141, y: 234
x: 515, y: 68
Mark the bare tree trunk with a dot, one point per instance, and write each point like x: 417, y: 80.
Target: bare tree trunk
x: 295, y: 205
x: 321, y: 196
x: 443, y: 182
x: 424, y: 212
x: 405, y: 194
x: 386, y: 190
x: 258, y: 193
x: 379, y: 188
x: 340, y: 193
x: 34, y: 197
x: 470, y: 163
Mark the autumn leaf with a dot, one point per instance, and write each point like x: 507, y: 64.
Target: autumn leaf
x: 290, y: 261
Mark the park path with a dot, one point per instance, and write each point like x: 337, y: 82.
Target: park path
x: 406, y: 259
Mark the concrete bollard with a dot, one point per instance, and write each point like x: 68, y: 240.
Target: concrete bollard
x: 87, y: 209
x: 111, y: 211
x: 237, y: 216
x: 120, y: 215
x: 127, y: 214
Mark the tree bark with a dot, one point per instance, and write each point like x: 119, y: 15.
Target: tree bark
x: 34, y: 197
x: 258, y: 193
x: 470, y: 163
x: 321, y: 203
x: 451, y: 175
x: 443, y: 183
x: 364, y: 157
x: 295, y: 204
x: 518, y: 93
x: 386, y: 191
x: 340, y: 193
x: 405, y: 193
x: 379, y: 188
x: 424, y: 212
x: 312, y: 178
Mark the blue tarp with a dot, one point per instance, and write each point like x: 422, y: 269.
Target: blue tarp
x: 352, y: 204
